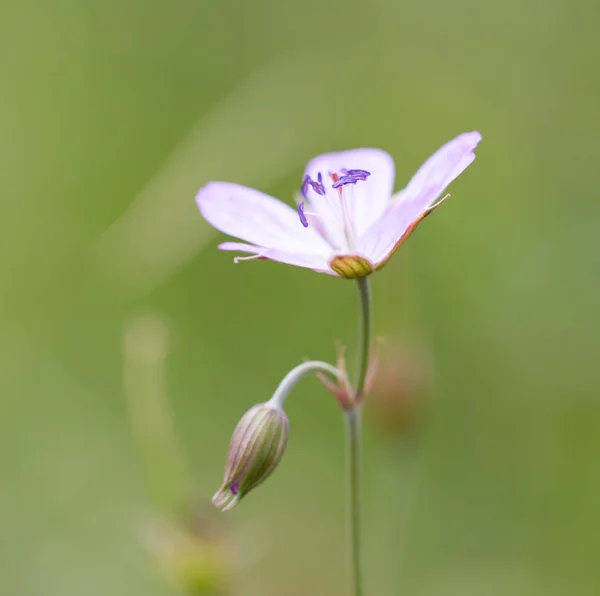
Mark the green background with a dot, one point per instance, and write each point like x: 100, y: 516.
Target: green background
x: 483, y: 480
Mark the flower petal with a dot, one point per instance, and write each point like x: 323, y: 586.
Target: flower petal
x: 311, y: 261
x: 258, y: 218
x: 370, y: 197
x: 242, y: 247
x: 438, y: 171
x: 410, y: 205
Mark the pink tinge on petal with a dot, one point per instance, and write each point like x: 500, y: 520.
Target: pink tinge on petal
x: 383, y: 236
x: 310, y: 261
x: 424, y: 188
x: 370, y: 195
x: 258, y: 218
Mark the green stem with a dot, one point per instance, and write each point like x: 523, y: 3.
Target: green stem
x: 353, y: 436
x: 297, y: 373
x: 353, y: 427
x: 145, y: 349
x: 364, y: 289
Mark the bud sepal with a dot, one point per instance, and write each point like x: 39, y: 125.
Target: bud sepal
x: 342, y: 389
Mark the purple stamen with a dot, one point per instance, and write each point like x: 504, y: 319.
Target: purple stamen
x: 301, y: 215
x: 305, y: 183
x: 359, y: 174
x: 316, y: 186
x: 345, y: 180
x: 351, y: 177
x: 235, y: 488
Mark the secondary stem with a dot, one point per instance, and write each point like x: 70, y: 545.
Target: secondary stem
x: 353, y: 436
x: 297, y: 373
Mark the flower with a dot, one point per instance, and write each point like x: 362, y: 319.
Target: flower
x: 255, y: 450
x: 348, y: 222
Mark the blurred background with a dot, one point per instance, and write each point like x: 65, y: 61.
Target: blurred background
x: 130, y: 346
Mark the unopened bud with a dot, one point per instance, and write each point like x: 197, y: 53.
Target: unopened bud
x: 256, y: 447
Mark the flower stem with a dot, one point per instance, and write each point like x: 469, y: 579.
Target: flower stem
x: 353, y: 436
x: 297, y: 373
x: 353, y: 427
x: 364, y: 289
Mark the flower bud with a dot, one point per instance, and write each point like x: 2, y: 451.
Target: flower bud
x: 256, y: 447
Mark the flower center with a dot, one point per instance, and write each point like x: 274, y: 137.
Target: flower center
x: 336, y: 205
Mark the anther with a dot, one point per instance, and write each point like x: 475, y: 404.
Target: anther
x: 345, y: 180
x: 317, y: 186
x: 301, y: 215
x: 358, y: 174
x: 350, y: 177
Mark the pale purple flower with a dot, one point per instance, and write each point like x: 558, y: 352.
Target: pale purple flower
x: 349, y: 223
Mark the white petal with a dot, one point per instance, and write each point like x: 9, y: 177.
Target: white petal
x: 258, y: 218
x: 311, y: 261
x: 438, y: 171
x: 424, y: 188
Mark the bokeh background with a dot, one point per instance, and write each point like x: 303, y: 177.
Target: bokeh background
x: 130, y: 346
